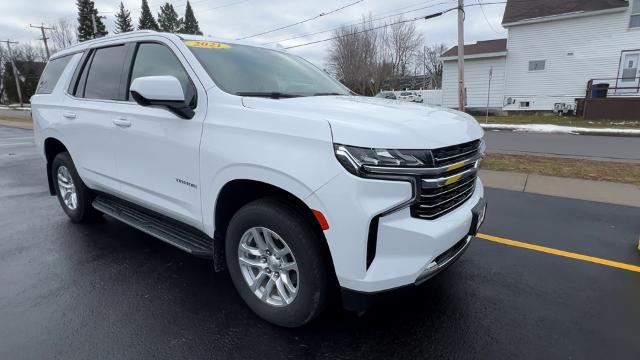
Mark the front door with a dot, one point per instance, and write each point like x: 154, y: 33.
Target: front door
x: 628, y: 74
x: 157, y: 152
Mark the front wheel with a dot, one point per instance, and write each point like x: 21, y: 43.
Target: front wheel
x: 277, y: 263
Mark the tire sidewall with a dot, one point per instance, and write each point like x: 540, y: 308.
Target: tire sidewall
x: 300, y: 237
x: 77, y: 214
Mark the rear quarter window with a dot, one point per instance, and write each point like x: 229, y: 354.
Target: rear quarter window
x: 51, y: 74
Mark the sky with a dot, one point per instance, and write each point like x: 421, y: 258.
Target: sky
x: 233, y: 19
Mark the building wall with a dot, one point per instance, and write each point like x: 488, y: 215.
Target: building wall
x: 476, y: 77
x: 575, y: 49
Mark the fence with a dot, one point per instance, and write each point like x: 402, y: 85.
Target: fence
x: 613, y: 98
x: 429, y: 97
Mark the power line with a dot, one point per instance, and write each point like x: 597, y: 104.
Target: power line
x: 426, y: 17
x: 400, y: 22
x: 224, y: 6
x: 486, y: 19
x: 302, y: 21
x: 361, y: 21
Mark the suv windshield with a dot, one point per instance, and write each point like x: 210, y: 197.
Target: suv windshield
x: 253, y: 71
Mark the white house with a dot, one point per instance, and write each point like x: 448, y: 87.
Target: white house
x: 553, y: 49
x: 484, y: 75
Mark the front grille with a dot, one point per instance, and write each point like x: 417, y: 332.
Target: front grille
x: 441, y: 193
x: 453, y: 154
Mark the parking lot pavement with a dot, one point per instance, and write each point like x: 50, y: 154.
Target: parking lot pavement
x: 108, y: 291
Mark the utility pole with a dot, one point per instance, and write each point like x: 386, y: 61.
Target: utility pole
x: 13, y: 67
x: 486, y: 119
x: 95, y: 26
x: 44, y: 37
x: 461, y: 55
x: 424, y: 67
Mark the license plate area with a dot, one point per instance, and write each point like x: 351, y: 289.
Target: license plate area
x: 478, y: 215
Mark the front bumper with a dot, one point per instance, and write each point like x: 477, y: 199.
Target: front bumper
x: 407, y: 249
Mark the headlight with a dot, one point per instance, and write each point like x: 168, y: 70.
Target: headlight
x: 354, y: 158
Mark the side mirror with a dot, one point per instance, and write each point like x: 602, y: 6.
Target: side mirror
x: 163, y: 91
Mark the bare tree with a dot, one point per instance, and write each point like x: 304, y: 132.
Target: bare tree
x: 353, y: 57
x: 403, y: 41
x: 428, y: 63
x: 369, y: 56
x: 63, y: 34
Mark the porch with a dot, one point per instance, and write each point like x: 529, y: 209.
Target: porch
x: 613, y: 99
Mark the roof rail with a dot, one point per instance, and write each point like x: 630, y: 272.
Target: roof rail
x: 111, y: 36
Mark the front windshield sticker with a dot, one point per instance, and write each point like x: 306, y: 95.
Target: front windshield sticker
x: 207, y: 44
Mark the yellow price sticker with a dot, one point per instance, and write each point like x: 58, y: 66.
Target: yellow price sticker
x: 207, y: 44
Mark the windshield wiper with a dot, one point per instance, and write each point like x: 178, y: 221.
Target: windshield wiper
x: 326, y: 94
x: 273, y: 94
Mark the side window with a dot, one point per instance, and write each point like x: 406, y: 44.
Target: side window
x: 51, y: 74
x: 537, y: 65
x: 154, y: 59
x: 103, y: 74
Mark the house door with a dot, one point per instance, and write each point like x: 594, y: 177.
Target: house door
x: 628, y: 74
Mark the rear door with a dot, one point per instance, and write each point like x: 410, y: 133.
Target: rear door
x: 93, y: 94
x: 157, y: 152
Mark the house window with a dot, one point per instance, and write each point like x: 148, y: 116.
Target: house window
x: 537, y: 65
x: 634, y: 22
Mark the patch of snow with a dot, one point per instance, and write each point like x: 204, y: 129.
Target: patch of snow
x: 556, y: 129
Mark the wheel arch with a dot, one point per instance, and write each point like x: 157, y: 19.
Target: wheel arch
x: 52, y: 147
x: 239, y: 192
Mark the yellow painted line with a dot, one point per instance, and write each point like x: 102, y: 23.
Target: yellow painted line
x: 557, y: 252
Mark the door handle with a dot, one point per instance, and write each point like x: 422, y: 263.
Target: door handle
x: 122, y: 122
x: 69, y: 115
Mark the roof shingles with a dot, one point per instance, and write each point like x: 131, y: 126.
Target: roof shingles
x: 518, y: 10
x: 481, y: 47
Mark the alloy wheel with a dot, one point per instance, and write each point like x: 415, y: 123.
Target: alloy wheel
x: 268, y: 266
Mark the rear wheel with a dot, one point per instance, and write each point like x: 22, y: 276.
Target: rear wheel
x: 74, y: 196
x: 277, y: 263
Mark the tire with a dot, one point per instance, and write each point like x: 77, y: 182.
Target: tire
x: 285, y: 226
x: 81, y: 209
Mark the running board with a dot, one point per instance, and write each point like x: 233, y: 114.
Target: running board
x: 168, y: 230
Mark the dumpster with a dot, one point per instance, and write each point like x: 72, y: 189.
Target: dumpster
x: 599, y: 91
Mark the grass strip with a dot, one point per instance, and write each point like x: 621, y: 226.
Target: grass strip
x: 561, y: 121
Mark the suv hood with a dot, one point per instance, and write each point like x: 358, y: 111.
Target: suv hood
x: 380, y: 123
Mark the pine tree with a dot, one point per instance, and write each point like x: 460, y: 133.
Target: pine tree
x: 147, y: 22
x: 123, y: 20
x: 87, y: 8
x: 168, y: 19
x: 190, y: 25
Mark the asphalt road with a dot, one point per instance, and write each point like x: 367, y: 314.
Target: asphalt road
x: 583, y: 146
x: 108, y: 291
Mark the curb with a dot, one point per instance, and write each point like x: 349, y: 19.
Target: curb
x: 557, y: 129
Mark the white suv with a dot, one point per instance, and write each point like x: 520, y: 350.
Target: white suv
x: 256, y: 159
